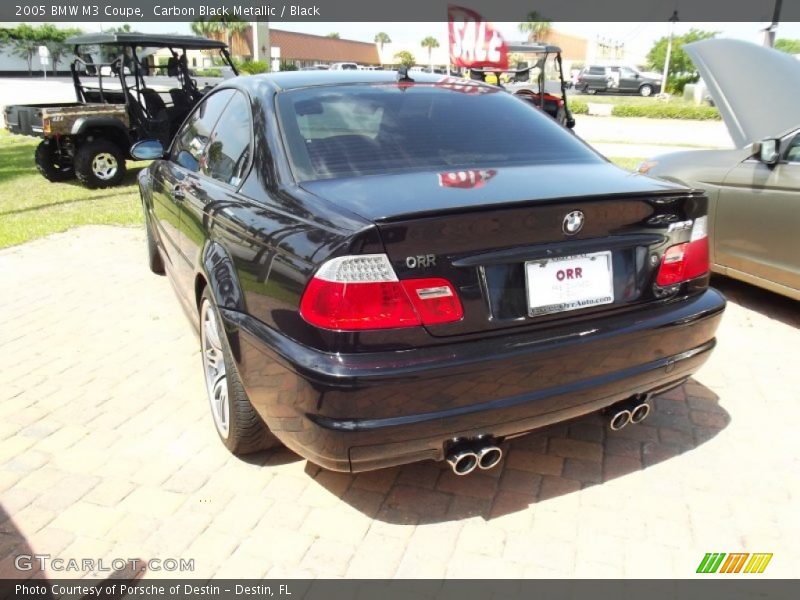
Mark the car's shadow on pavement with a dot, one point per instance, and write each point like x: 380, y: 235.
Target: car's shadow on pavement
x: 768, y: 303
x: 20, y: 563
x: 543, y: 465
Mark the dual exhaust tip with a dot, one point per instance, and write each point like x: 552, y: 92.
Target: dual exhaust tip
x: 629, y: 415
x: 466, y: 459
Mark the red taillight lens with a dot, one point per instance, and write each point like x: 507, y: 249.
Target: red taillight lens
x: 688, y: 260
x: 355, y: 293
x: 434, y: 299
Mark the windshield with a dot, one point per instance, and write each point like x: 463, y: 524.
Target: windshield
x: 336, y: 132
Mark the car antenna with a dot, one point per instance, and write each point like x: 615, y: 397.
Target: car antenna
x: 402, y: 74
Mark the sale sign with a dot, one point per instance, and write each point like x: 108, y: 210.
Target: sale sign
x: 475, y: 43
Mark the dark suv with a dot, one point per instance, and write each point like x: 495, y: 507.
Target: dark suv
x: 618, y: 80
x: 375, y: 283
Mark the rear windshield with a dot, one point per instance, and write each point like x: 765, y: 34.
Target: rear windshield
x: 337, y: 132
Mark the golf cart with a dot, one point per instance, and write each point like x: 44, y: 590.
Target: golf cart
x: 529, y: 79
x: 123, y: 95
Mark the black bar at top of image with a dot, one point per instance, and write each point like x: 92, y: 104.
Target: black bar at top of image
x: 395, y: 11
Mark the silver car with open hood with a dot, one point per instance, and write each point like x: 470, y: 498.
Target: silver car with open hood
x: 754, y: 188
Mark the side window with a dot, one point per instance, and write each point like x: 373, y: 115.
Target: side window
x: 229, y: 151
x: 793, y: 151
x: 193, y: 137
x: 627, y: 72
x: 597, y: 70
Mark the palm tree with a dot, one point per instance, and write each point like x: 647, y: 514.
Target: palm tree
x: 534, y: 27
x: 430, y: 43
x: 232, y: 26
x: 382, y: 38
x: 205, y: 28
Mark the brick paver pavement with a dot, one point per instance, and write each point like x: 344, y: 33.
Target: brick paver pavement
x: 107, y: 451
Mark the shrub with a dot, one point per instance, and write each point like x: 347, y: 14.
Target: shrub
x: 663, y: 110
x: 578, y: 107
x: 253, y: 67
x: 208, y: 72
x: 676, y: 84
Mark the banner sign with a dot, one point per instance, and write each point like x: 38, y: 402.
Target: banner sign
x: 474, y: 42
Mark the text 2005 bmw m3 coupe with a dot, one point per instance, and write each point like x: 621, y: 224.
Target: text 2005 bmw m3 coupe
x: 385, y: 270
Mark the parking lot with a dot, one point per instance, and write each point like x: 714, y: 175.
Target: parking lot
x: 107, y: 451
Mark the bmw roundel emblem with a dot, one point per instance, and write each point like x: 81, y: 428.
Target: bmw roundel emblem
x: 573, y: 222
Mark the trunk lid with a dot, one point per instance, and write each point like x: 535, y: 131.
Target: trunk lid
x: 478, y: 229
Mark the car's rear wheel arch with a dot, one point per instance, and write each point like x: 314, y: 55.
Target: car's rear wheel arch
x: 218, y: 273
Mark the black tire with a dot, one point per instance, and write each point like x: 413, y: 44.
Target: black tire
x: 646, y: 90
x: 89, y: 172
x: 154, y: 258
x: 246, y: 432
x: 50, y: 164
x: 561, y: 117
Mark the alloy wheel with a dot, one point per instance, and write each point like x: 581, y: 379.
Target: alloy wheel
x: 104, y: 166
x: 214, y: 369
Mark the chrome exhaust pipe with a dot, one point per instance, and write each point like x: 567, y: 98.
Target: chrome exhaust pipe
x: 489, y: 456
x: 620, y: 419
x: 463, y: 462
x: 640, y: 412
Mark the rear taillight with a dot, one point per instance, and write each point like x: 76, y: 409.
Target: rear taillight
x: 354, y: 293
x: 686, y: 261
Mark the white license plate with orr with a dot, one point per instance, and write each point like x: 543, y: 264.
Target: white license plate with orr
x: 569, y: 283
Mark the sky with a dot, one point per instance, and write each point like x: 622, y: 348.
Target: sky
x: 637, y: 37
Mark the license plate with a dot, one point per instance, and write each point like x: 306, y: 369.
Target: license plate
x: 569, y: 283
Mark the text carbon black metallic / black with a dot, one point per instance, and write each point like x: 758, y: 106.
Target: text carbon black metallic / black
x: 287, y: 211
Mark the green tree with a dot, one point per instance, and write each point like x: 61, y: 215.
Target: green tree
x: 405, y: 58
x: 205, y: 28
x: 430, y: 43
x: 126, y: 28
x: 55, y: 40
x: 789, y: 46
x: 681, y: 68
x: 382, y: 38
x: 24, y: 41
x: 334, y: 35
x: 535, y: 27
x: 230, y: 25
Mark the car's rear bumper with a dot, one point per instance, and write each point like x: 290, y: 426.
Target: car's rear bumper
x: 365, y: 411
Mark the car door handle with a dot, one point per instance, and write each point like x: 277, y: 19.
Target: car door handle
x: 178, y: 193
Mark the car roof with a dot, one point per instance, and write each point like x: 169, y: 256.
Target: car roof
x: 145, y: 39
x: 287, y: 80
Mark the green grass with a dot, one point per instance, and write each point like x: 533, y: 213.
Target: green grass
x: 625, y: 162
x: 637, y: 106
x: 631, y: 100
x: 32, y: 207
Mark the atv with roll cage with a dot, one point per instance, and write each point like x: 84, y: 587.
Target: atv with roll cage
x: 122, y: 97
x: 519, y: 80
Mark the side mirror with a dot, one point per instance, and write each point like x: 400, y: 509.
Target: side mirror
x: 147, y: 150
x: 767, y: 150
x: 637, y: 76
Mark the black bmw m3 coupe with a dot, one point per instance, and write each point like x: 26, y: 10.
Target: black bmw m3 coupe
x: 385, y: 269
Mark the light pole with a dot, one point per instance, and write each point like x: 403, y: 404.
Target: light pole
x: 665, y: 79
x: 769, y: 32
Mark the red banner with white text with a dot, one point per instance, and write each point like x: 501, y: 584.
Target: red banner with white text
x: 474, y: 42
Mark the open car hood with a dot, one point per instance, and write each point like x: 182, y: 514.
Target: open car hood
x: 755, y: 88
